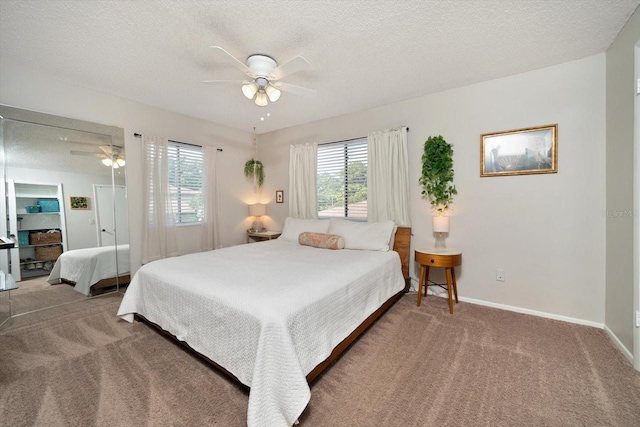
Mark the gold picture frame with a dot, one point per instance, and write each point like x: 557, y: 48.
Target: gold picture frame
x: 519, y: 152
x: 78, y: 202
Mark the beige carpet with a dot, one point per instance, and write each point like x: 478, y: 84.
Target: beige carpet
x: 36, y: 293
x: 417, y: 366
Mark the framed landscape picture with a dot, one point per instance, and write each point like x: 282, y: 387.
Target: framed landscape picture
x: 78, y: 202
x: 519, y: 152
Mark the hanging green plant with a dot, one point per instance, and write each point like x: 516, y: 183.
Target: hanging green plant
x: 437, y: 173
x: 254, y: 171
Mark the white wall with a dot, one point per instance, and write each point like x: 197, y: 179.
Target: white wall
x: 546, y: 231
x: 29, y: 89
x: 620, y: 192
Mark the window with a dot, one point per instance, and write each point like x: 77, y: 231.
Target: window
x: 342, y: 179
x: 185, y: 182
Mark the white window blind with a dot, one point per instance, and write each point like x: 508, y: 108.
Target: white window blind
x: 342, y: 179
x: 185, y: 182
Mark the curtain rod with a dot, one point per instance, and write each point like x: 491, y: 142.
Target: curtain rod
x: 139, y: 135
x: 347, y: 140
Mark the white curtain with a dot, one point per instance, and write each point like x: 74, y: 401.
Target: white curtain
x: 303, y: 165
x: 159, y: 228
x: 210, y: 237
x: 388, y: 177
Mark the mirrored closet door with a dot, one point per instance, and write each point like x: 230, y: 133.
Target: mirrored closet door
x: 65, y: 209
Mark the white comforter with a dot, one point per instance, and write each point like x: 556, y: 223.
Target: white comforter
x: 267, y: 312
x: 86, y: 267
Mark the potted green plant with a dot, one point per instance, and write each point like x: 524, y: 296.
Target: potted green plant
x: 437, y: 173
x: 437, y: 183
x: 254, y: 171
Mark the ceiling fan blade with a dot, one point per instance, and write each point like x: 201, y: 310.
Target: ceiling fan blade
x: 86, y: 153
x: 111, y: 150
x: 226, y: 81
x: 291, y: 66
x: 239, y: 64
x: 298, y: 90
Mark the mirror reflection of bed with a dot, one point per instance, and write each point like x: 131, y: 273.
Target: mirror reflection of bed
x: 92, y: 271
x: 81, y: 167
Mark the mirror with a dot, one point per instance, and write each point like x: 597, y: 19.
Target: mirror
x: 65, y: 208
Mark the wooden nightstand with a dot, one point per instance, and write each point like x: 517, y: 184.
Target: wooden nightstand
x: 262, y: 235
x: 445, y: 258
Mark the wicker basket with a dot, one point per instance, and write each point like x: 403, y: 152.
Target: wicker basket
x: 44, y: 238
x: 48, y: 253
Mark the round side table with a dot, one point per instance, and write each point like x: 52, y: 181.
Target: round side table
x: 445, y: 258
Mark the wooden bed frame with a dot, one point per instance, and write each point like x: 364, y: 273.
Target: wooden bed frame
x: 401, y: 245
x: 99, y: 287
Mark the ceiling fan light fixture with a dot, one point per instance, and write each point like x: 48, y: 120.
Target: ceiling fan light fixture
x: 273, y: 93
x: 120, y: 162
x: 107, y: 162
x: 261, y: 99
x: 264, y: 75
x: 249, y: 90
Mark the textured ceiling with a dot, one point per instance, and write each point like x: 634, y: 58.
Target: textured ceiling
x: 363, y: 54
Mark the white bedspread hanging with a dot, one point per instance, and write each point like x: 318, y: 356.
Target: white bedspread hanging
x: 267, y: 312
x: 86, y: 267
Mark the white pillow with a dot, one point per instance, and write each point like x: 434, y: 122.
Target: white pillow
x: 294, y: 226
x: 370, y: 236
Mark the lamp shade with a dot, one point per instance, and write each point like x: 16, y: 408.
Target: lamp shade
x: 257, y: 210
x: 261, y: 99
x: 249, y: 90
x: 440, y: 224
x: 272, y: 93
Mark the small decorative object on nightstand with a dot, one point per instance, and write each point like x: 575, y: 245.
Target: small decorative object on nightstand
x: 262, y: 235
x: 256, y: 211
x: 445, y: 258
x: 440, y: 228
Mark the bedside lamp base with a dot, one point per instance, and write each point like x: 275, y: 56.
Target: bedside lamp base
x: 257, y: 226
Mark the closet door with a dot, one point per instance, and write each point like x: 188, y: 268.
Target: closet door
x: 111, y: 215
x: 105, y: 220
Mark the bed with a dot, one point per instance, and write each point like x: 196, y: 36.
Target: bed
x: 92, y: 270
x: 273, y: 314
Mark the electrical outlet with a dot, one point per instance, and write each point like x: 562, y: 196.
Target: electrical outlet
x: 500, y: 275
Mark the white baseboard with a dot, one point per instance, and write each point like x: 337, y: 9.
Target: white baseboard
x: 443, y: 294
x: 619, y: 344
x: 614, y: 338
x: 534, y: 312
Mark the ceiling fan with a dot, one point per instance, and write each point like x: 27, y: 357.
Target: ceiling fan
x: 264, y: 74
x: 111, y: 155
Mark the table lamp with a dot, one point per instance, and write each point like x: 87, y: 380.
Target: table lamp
x: 440, y: 227
x: 257, y: 211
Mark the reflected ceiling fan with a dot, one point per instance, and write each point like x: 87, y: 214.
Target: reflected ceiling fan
x: 264, y: 75
x: 111, y: 155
